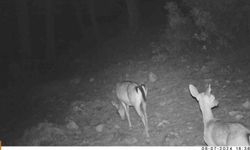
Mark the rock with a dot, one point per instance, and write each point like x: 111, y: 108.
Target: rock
x: 239, y: 81
x: 75, y: 81
x: 239, y: 116
x: 152, y: 77
x: 238, y: 96
x: 117, y: 126
x: 163, y: 89
x: 76, y: 108
x: 171, y: 139
x: 209, y: 80
x: 159, y: 58
x: 119, y: 136
x: 189, y: 125
x: 246, y: 104
x: 216, y: 82
x: 99, y: 128
x: 234, y: 113
x: 204, y: 47
x: 163, y: 123
x: 84, y: 142
x: 72, y: 125
x: 204, y: 69
x: 91, y: 79
x: 162, y: 103
x: 183, y: 59
x: 148, y: 141
x: 130, y: 140
x: 107, y: 138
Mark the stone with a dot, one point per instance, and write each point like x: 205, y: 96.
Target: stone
x: 239, y: 116
x: 92, y: 79
x: 100, y: 127
x: 246, y: 104
x: 130, y: 140
x: 75, y: 81
x: 152, y: 77
x: 72, y: 125
x: 234, y: 113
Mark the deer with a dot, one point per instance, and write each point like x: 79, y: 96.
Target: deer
x: 130, y: 93
x: 216, y: 131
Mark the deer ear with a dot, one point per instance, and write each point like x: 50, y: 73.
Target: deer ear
x: 144, y: 88
x: 208, y: 89
x: 193, y: 90
x: 136, y: 89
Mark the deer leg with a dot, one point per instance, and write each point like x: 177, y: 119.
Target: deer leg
x: 146, y: 117
x: 126, y: 108
x: 143, y: 117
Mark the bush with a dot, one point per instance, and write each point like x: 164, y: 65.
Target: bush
x: 178, y: 31
x: 201, y: 27
x: 226, y: 20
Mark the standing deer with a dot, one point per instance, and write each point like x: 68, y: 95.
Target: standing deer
x: 217, y: 132
x: 131, y: 94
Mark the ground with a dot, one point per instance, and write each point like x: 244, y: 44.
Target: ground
x: 77, y: 110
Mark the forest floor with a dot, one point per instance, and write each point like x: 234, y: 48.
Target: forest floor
x: 76, y: 110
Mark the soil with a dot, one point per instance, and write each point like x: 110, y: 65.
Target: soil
x: 78, y: 110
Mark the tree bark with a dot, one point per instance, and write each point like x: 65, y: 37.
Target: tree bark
x: 78, y: 13
x: 50, y: 30
x: 132, y: 15
x: 91, y: 8
x: 24, y: 26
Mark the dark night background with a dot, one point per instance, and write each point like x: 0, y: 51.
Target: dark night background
x: 60, y: 61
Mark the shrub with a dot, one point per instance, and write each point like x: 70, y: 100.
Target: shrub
x: 178, y: 32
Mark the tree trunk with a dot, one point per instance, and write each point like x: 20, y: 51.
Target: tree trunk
x: 248, y: 25
x: 24, y: 26
x: 50, y: 31
x: 132, y: 15
x: 91, y: 8
x: 78, y: 12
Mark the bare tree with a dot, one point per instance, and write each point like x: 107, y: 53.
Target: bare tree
x: 91, y: 8
x: 133, y: 15
x: 78, y: 12
x: 50, y: 30
x: 23, y: 24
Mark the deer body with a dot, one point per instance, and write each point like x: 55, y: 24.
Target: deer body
x: 217, y: 132
x: 131, y: 94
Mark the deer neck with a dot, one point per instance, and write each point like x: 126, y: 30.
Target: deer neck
x: 207, y: 115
